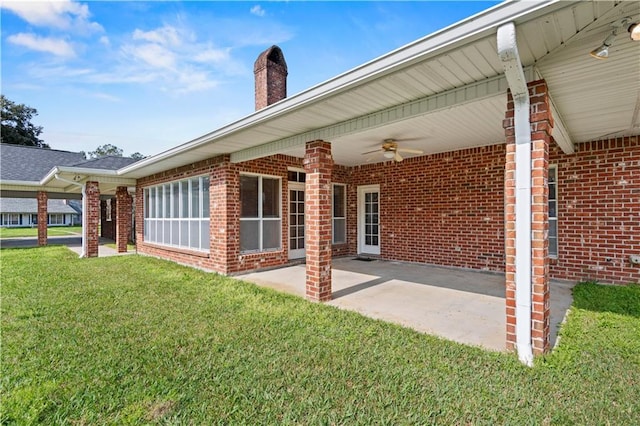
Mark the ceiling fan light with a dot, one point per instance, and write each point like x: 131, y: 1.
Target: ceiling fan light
x: 389, y: 154
x: 634, y: 31
x: 601, y: 52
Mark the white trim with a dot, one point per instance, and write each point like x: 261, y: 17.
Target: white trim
x: 362, y: 247
x: 333, y: 218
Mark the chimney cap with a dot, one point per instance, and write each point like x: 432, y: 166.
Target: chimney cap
x: 273, y: 54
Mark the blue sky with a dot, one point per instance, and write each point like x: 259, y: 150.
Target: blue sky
x: 147, y: 76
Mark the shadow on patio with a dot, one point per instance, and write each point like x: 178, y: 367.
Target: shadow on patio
x: 461, y: 305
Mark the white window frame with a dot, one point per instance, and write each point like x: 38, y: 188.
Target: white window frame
x: 336, y: 218
x: 59, y: 219
x: 261, y: 220
x: 164, y: 226
x: 553, y: 220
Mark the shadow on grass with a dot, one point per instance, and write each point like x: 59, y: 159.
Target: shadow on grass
x: 617, y: 299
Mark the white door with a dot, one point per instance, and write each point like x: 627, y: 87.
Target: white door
x: 296, y: 221
x: 369, y: 219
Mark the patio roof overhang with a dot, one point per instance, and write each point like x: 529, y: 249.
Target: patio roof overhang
x: 447, y: 91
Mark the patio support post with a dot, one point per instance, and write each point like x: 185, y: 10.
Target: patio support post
x: 541, y: 122
x: 42, y: 218
x: 92, y: 218
x: 318, y: 164
x: 224, y: 205
x: 123, y: 218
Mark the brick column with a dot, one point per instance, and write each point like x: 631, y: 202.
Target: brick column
x: 541, y: 127
x: 318, y: 164
x: 92, y: 220
x: 42, y: 218
x: 224, y: 203
x: 123, y: 218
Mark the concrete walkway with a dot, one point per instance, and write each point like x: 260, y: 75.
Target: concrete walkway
x: 73, y: 242
x: 460, y: 305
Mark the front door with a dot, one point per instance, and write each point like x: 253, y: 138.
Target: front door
x: 296, y: 221
x: 369, y: 219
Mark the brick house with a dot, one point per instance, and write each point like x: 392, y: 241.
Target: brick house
x: 498, y: 143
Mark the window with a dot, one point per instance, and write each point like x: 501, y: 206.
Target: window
x: 339, y: 214
x: 297, y: 176
x: 56, y: 219
x: 11, y: 219
x: 177, y: 214
x: 260, y: 222
x: 553, y: 211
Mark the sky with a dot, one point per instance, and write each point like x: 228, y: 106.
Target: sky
x: 148, y: 76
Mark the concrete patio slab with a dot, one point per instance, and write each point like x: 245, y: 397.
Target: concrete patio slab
x: 460, y: 305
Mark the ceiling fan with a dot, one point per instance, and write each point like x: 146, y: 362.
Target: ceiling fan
x: 390, y: 150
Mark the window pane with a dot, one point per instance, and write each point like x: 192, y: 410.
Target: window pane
x: 553, y: 246
x: 167, y: 200
x: 175, y: 232
x: 184, y: 233
x: 184, y: 196
x: 175, y: 199
x: 204, y: 234
x: 339, y: 231
x: 152, y: 203
x: 249, y: 239
x: 194, y: 234
x: 338, y: 201
x: 271, y: 234
x: 152, y: 230
x: 146, y: 202
x: 195, y: 197
x: 292, y: 176
x: 166, y: 232
x: 205, y: 197
x: 552, y: 209
x: 249, y: 196
x: 146, y: 230
x: 271, y: 198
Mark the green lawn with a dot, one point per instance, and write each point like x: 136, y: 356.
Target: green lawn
x: 54, y: 231
x: 137, y: 340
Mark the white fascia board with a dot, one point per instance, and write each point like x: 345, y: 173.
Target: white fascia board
x: 437, y: 43
x: 84, y: 171
x: 21, y: 183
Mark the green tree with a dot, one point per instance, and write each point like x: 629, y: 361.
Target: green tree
x: 106, y: 151
x: 17, y: 128
x: 137, y: 156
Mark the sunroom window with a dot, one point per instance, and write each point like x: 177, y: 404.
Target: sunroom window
x: 177, y: 214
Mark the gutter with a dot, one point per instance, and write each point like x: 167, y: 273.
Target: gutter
x: 508, y: 53
x: 84, y: 210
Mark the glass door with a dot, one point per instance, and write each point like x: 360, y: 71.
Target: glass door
x: 296, y: 221
x: 369, y: 219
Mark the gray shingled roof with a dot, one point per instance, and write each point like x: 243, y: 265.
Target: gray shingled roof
x: 31, y: 164
x: 30, y: 205
x: 107, y: 163
x: 26, y: 163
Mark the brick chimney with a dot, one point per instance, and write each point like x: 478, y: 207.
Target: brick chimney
x: 270, y: 70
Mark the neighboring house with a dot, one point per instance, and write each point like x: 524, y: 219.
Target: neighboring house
x: 23, y: 212
x: 496, y: 144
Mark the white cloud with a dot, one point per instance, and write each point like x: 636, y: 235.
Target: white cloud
x: 152, y: 54
x: 59, y: 14
x: 167, y: 35
x: 257, y: 10
x: 105, y: 41
x: 55, y: 46
x: 212, y: 55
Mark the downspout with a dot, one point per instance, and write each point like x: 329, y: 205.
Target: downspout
x: 508, y: 53
x: 84, y: 210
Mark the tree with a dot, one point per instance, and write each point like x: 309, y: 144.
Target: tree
x: 137, y: 156
x: 17, y: 128
x: 106, y: 151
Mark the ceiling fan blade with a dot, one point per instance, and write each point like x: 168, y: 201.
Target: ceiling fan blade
x: 398, y: 158
x: 411, y: 151
x: 371, y: 152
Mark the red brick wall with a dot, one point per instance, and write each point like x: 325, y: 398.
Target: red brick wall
x: 598, y: 211
x: 442, y: 209
x: 92, y: 218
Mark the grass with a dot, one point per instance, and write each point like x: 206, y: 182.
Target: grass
x: 137, y: 340
x: 54, y: 231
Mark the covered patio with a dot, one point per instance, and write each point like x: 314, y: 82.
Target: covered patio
x: 462, y: 305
